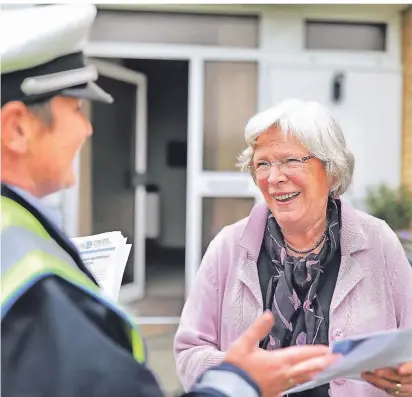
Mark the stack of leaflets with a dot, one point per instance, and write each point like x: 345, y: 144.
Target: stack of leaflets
x: 105, y: 255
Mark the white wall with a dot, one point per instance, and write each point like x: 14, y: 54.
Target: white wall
x: 369, y: 114
x: 282, y: 32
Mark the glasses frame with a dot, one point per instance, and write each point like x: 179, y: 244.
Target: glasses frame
x: 280, y: 164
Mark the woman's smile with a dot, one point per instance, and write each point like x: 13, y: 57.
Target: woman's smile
x: 285, y: 198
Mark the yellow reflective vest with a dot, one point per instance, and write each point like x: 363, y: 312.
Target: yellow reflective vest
x: 30, y: 254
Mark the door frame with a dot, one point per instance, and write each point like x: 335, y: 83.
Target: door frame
x: 136, y: 289
x: 197, y: 179
x: 201, y: 183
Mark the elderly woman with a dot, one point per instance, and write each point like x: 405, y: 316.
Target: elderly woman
x: 325, y: 270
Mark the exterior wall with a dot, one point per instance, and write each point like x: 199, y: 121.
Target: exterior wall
x: 281, y: 27
x: 281, y: 48
x: 282, y: 33
x: 372, y: 86
x: 407, y: 98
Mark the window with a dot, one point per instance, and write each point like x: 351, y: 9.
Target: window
x: 230, y: 91
x: 176, y: 28
x: 219, y: 212
x: 347, y: 36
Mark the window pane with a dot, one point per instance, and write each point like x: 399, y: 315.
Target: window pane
x: 219, y: 212
x: 85, y: 182
x: 159, y: 343
x: 351, y: 36
x: 230, y: 100
x: 176, y: 28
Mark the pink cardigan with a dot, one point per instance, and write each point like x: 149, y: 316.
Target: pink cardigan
x: 373, y: 292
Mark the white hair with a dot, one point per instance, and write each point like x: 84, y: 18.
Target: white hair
x: 315, y: 128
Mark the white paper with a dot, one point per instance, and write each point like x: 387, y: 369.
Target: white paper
x: 105, y: 255
x: 117, y: 279
x: 377, y: 351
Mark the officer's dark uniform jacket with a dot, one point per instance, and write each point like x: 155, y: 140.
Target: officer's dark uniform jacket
x: 59, y: 336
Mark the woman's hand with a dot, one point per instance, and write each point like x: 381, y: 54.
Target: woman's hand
x: 395, y: 381
x: 278, y: 370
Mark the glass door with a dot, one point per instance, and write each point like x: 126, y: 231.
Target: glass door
x: 223, y: 96
x: 120, y: 136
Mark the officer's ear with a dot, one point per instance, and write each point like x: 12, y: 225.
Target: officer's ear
x: 17, y: 127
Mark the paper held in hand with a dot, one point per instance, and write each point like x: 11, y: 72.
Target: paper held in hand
x: 105, y: 255
x: 364, y: 353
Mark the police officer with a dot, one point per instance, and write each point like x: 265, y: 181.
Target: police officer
x: 60, y: 337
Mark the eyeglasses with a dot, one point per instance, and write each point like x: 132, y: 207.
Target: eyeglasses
x: 287, y: 167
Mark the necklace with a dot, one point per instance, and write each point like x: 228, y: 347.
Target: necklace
x: 310, y: 249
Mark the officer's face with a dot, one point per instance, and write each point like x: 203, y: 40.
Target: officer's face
x: 55, y: 146
x: 38, y: 153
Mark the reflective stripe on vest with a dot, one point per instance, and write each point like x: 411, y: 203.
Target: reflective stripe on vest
x: 29, y: 254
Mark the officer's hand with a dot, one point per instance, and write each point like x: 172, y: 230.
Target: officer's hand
x: 278, y: 370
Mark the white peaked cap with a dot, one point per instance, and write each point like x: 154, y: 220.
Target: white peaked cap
x: 41, y: 53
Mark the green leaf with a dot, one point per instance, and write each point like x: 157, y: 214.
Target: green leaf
x: 392, y: 205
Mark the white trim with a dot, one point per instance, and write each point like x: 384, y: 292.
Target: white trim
x: 194, y: 166
x: 317, y: 59
x: 225, y: 184
x: 135, y: 290
x: 139, y: 268
x: 120, y: 49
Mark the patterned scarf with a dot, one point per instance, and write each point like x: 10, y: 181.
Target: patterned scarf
x: 292, y: 291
